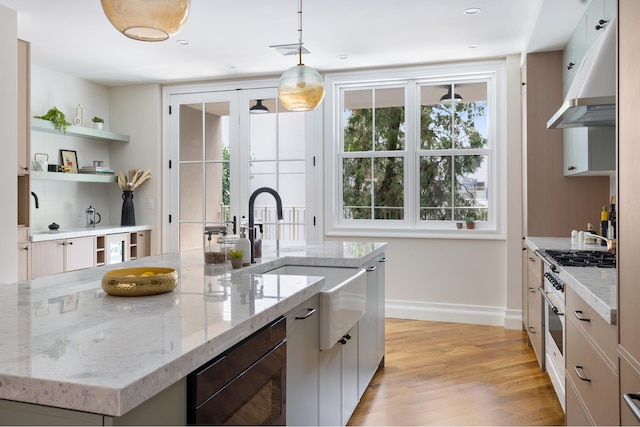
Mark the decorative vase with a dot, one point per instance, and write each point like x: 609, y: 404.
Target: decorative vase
x: 128, y: 216
x: 97, y: 125
x: 471, y: 225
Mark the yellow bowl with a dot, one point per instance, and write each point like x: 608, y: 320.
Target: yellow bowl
x: 139, y: 281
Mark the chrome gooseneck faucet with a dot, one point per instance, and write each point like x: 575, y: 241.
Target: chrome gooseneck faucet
x: 252, y: 200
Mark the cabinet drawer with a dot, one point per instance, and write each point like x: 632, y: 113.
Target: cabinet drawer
x: 604, y: 335
x: 534, y: 263
x: 595, y: 382
x: 629, y: 384
x: 23, y: 234
x: 576, y: 414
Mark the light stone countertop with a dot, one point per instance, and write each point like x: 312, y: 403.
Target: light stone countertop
x: 74, y: 232
x: 65, y: 343
x: 597, y: 286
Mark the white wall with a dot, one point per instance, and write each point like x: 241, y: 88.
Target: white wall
x: 9, y: 138
x: 65, y: 202
x: 466, y: 280
x: 136, y: 111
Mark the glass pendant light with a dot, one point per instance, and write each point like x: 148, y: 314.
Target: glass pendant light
x: 301, y: 88
x: 145, y: 20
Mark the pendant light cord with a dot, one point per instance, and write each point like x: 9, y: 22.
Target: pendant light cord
x: 300, y: 31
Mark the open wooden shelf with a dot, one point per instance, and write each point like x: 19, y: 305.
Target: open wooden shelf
x: 79, y: 131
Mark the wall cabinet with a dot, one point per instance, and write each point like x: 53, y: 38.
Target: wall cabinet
x: 59, y: 256
x: 589, y: 151
x: 590, y: 364
x: 628, y: 205
x: 532, y: 300
x: 303, y: 342
x: 584, y: 35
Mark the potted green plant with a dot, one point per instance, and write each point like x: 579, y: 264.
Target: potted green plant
x: 57, y: 117
x: 236, y: 258
x: 470, y: 219
x: 97, y: 122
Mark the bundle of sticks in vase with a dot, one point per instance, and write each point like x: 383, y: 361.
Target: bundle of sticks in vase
x: 132, y: 179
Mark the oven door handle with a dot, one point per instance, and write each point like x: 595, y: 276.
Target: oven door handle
x: 548, y: 300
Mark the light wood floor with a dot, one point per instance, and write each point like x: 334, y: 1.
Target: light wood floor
x: 439, y: 373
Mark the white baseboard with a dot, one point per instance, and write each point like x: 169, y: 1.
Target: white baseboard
x: 456, y: 313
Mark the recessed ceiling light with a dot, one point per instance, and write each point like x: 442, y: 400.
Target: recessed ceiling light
x: 342, y: 56
x: 472, y: 11
x: 473, y: 45
x: 183, y: 42
x: 230, y: 66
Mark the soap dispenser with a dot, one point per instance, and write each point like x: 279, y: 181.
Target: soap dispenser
x: 243, y: 244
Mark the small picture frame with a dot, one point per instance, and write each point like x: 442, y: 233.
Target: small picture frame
x: 69, y: 158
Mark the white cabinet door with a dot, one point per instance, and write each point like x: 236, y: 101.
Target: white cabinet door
x: 80, y: 253
x: 589, y: 151
x: 330, y: 386
x: 24, y: 261
x: 303, y: 355
x: 349, y: 361
x: 381, y: 311
x: 368, y: 331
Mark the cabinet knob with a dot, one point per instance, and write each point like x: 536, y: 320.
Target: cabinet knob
x: 572, y: 168
x: 140, y: 234
x: 532, y: 330
x: 571, y: 65
x: 601, y: 24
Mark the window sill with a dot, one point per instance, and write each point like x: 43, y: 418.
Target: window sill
x: 475, y: 234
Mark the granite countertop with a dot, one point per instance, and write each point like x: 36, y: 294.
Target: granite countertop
x: 73, y: 232
x: 65, y: 343
x: 597, y: 286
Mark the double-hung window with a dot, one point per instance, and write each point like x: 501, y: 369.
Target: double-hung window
x: 415, y: 151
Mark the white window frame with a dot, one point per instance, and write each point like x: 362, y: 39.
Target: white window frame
x: 493, y: 72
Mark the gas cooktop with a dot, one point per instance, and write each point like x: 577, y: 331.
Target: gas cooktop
x: 600, y: 259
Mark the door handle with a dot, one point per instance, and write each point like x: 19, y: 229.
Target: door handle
x: 579, y: 369
x: 629, y: 398
x: 310, y: 311
x: 579, y: 316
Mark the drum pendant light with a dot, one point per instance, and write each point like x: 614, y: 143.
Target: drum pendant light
x: 301, y: 88
x: 147, y: 20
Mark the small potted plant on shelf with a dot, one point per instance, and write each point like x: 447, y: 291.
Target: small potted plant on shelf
x: 56, y: 117
x: 97, y: 122
x: 236, y: 258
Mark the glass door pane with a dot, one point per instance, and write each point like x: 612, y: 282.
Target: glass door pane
x: 204, y: 169
x: 277, y: 160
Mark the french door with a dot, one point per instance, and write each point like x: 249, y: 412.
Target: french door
x: 221, y: 150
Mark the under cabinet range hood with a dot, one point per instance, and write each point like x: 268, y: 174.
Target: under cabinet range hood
x: 591, y: 98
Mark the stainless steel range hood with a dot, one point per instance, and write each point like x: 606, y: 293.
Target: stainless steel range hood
x: 591, y: 99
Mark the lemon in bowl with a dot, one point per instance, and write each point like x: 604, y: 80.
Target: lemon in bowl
x: 139, y: 281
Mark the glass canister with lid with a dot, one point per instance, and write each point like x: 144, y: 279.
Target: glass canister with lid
x: 214, y: 244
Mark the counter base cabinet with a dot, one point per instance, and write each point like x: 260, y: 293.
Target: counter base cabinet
x: 629, y: 384
x: 338, y: 382
x: 589, y: 370
x: 303, y: 342
x: 166, y: 408
x: 59, y: 256
x: 534, y: 318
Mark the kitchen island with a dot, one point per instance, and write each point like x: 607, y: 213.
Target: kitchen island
x: 65, y: 345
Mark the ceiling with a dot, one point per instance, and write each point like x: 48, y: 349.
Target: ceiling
x: 231, y: 39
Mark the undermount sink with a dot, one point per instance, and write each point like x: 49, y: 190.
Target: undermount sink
x: 342, y: 301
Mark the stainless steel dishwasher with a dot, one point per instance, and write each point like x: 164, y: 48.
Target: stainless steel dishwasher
x: 243, y: 386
